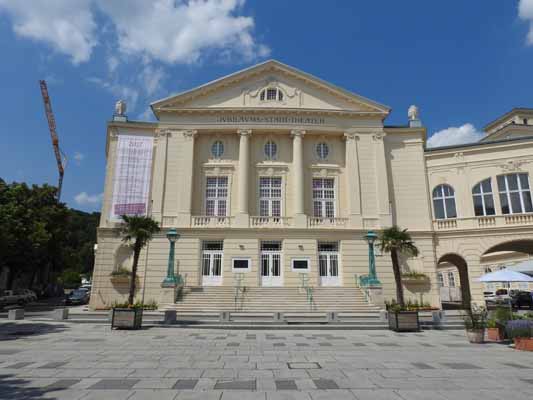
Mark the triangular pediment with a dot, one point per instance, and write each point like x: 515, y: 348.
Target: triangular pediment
x: 247, y: 89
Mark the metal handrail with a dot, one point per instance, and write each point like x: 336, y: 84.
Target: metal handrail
x: 239, y: 277
x: 308, y: 289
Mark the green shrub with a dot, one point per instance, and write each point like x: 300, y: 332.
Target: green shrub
x: 70, y: 279
x: 414, y: 275
x: 150, y: 305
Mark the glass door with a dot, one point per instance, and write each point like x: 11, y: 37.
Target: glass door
x: 212, y: 263
x: 271, y: 264
x: 328, y: 263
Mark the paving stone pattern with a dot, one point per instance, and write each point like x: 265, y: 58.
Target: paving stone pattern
x: 85, y: 361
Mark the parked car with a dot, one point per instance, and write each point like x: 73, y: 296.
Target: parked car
x: 501, y: 296
x: 30, y: 294
x: 522, y: 299
x: 11, y: 297
x: 78, y: 296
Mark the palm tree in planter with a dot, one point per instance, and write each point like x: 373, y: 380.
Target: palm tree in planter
x: 136, y: 231
x: 398, y: 241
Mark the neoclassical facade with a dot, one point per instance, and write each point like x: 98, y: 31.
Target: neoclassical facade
x: 273, y: 176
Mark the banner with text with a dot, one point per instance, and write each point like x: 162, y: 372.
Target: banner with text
x: 133, y: 169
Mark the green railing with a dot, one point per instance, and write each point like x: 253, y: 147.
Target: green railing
x: 239, y: 290
x: 304, y: 279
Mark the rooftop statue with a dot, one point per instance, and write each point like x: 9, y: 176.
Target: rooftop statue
x: 120, y: 107
x: 412, y: 113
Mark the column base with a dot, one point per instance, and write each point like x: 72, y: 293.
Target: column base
x: 168, y: 295
x: 300, y: 221
x: 242, y: 220
x: 375, y: 294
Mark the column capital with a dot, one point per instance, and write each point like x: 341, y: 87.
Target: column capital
x: 351, y: 135
x: 187, y: 133
x: 297, y: 133
x: 244, y: 132
x: 378, y: 136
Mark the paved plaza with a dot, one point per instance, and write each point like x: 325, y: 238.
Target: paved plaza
x: 41, y: 360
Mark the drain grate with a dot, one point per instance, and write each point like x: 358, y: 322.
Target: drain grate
x: 304, y: 365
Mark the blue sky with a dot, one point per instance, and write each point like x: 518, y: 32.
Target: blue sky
x: 463, y: 63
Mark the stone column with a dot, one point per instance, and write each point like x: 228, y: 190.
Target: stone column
x: 353, y: 185
x: 242, y: 217
x: 184, y: 185
x: 159, y: 174
x: 383, y: 206
x: 300, y: 219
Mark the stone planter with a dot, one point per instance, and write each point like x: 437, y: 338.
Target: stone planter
x: 404, y: 321
x: 523, y: 343
x: 120, y: 279
x: 127, y: 318
x: 495, y: 334
x: 475, y: 335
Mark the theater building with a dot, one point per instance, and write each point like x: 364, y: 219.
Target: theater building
x: 272, y: 178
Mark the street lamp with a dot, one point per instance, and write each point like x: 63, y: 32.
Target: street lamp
x: 371, y: 279
x: 171, y: 280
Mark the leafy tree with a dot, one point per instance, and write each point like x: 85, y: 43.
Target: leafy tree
x: 397, y: 241
x: 138, y: 231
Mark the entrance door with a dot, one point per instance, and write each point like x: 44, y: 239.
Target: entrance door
x: 271, y: 264
x: 328, y: 264
x: 212, y: 264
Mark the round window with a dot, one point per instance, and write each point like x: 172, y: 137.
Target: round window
x: 322, y: 150
x: 271, y: 149
x: 217, y: 149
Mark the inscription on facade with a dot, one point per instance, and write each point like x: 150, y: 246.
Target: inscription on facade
x: 258, y: 119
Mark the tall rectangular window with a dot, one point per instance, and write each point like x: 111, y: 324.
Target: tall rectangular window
x: 515, y: 196
x: 451, y: 279
x: 270, y: 196
x: 216, y: 196
x: 324, y: 197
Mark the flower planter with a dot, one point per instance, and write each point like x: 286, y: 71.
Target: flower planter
x: 120, y: 279
x: 404, y: 321
x: 475, y: 335
x: 495, y: 334
x: 524, y: 344
x: 127, y: 318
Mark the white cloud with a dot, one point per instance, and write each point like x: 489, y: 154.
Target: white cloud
x: 125, y: 92
x: 78, y: 157
x: 466, y: 133
x: 84, y: 199
x: 180, y: 32
x: 151, y: 78
x: 68, y: 26
x: 146, y: 115
x: 525, y: 12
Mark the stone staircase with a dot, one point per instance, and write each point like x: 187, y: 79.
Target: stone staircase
x: 271, y: 299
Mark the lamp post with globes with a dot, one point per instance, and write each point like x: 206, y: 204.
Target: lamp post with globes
x: 171, y: 280
x: 371, y: 279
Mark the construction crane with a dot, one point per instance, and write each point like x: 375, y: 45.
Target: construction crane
x: 60, y: 156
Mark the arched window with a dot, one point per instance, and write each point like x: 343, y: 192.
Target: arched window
x: 271, y: 94
x: 515, y: 195
x: 271, y: 150
x: 483, y: 200
x: 444, y: 202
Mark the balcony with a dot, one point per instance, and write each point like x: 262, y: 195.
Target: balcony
x: 492, y: 221
x: 320, y: 222
x: 269, y: 222
x: 206, y: 221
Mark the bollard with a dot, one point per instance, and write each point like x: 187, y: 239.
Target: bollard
x: 332, y: 317
x: 60, y: 314
x: 170, y: 317
x: 17, y: 313
x: 224, y: 316
x: 277, y: 317
x: 438, y: 319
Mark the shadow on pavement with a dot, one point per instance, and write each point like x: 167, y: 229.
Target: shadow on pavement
x: 15, y: 330
x: 12, y: 387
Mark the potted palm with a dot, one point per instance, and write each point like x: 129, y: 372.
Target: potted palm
x: 398, y: 241
x: 475, y: 323
x: 136, y: 231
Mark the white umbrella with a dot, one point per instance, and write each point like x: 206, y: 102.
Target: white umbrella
x: 505, y: 275
x: 526, y: 267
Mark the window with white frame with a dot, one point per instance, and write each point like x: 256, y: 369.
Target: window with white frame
x: 444, y: 202
x: 440, y: 279
x: 324, y: 197
x: 212, y: 252
x: 271, y: 94
x: 328, y: 259
x: 515, y: 196
x: 271, y: 150
x: 269, y: 196
x: 483, y: 200
x: 216, y: 196
x: 451, y: 279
